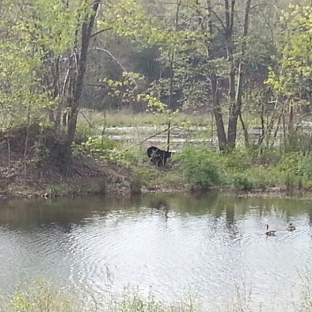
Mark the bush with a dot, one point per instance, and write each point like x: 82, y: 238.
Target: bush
x: 126, y: 155
x: 200, y: 167
x: 242, y: 182
x: 238, y: 159
x: 297, y: 165
x: 99, y: 144
x: 135, y: 186
x: 39, y: 297
x: 299, y: 142
x: 131, y: 300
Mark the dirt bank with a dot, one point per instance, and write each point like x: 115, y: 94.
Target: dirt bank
x: 32, y: 165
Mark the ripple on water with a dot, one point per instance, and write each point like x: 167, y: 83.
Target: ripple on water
x: 213, y: 256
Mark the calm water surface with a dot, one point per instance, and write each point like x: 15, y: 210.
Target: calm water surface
x: 211, y: 246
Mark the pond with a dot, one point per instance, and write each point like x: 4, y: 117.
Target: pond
x: 210, y: 246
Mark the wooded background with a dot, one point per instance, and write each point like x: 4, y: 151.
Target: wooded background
x: 225, y: 57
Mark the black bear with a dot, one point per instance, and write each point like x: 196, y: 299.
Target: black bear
x: 157, y: 156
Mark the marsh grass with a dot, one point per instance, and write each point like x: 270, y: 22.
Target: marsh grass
x: 131, y: 301
x: 123, y: 118
x: 40, y: 297
x: 126, y: 118
x: 43, y: 297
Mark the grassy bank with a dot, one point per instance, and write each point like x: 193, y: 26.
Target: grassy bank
x: 197, y: 165
x: 202, y: 169
x: 102, y: 165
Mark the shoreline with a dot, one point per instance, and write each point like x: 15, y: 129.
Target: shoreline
x: 273, y: 192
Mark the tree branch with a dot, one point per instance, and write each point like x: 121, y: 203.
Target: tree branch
x: 100, y: 31
x: 115, y: 59
x: 220, y: 20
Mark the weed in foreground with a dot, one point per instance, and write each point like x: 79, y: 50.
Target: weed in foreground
x: 42, y: 297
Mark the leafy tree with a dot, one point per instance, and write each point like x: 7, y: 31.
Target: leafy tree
x: 291, y: 77
x: 39, y: 52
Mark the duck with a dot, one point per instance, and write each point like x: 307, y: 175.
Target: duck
x: 269, y: 232
x: 290, y: 227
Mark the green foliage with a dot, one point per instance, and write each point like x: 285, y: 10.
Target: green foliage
x: 131, y: 301
x: 292, y: 74
x: 297, y: 165
x: 40, y: 297
x: 242, y: 182
x: 38, y: 37
x: 50, y: 149
x: 200, y: 167
x: 265, y: 156
x: 36, y: 45
x: 238, y: 159
x: 294, y: 171
x: 54, y: 191
x: 127, y: 156
x: 290, y: 180
x: 79, y: 150
x: 99, y: 145
x: 255, y: 178
x: 135, y: 186
x: 299, y: 142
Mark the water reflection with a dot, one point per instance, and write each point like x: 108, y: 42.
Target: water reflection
x: 211, y: 244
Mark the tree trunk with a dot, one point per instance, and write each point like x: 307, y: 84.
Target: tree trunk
x: 56, y: 90
x: 233, y: 113
x: 240, y: 79
x: 86, y: 33
x: 217, y: 113
x: 245, y: 130
x: 170, y: 99
x: 216, y: 109
x: 236, y: 99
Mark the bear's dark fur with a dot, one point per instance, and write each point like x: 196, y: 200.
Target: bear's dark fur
x: 157, y: 156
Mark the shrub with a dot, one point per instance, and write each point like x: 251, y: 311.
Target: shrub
x: 99, y: 144
x: 40, y: 297
x: 126, y: 156
x: 298, y: 141
x: 131, y: 300
x: 297, y: 165
x: 242, y: 182
x: 135, y: 186
x: 200, y: 167
x: 238, y: 159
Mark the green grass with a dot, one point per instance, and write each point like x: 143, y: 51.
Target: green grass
x: 118, y: 118
x: 243, y: 168
x: 201, y: 168
x: 40, y: 297
x: 43, y: 297
x: 125, y: 118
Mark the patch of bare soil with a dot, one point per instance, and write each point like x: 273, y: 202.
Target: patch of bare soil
x: 31, y: 165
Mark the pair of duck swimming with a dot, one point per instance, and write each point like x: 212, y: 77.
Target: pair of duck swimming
x: 290, y: 227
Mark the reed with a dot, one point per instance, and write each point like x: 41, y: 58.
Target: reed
x: 44, y: 297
